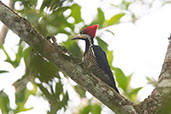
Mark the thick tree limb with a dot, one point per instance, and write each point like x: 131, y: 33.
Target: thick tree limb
x: 68, y: 65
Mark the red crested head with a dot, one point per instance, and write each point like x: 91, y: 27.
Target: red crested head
x: 90, y: 30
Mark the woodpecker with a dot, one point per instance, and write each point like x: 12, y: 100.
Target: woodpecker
x: 95, y: 57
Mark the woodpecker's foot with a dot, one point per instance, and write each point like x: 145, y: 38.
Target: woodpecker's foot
x: 52, y: 40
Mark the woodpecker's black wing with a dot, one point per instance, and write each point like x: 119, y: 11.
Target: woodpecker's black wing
x: 104, y: 65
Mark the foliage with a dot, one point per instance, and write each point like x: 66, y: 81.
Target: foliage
x: 4, y: 102
x: 18, y: 55
x: 91, y: 108
x: 52, y: 18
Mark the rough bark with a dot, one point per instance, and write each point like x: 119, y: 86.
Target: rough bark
x: 68, y: 64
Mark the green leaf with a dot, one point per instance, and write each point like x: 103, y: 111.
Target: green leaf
x: 27, y: 59
x: 44, y: 90
x: 22, y: 94
x: 76, y: 13
x: 93, y: 108
x: 64, y: 101
x: 102, y: 44
x: 46, y: 70
x: 133, y: 94
x: 19, y: 54
x: 4, y: 103
x: 33, y: 16
x: 100, y: 17
x: 121, y: 78
x: 110, y: 32
x: 80, y: 91
x: 8, y: 59
x: 52, y: 4
x: 46, y: 3
x: 72, y: 46
x: 58, y: 89
x: 22, y: 109
x: 114, y: 20
x: 110, y: 57
x: 129, y: 79
x: 3, y: 71
x: 126, y: 4
x: 31, y: 4
x: 96, y: 109
x: 34, y: 90
x: 85, y: 110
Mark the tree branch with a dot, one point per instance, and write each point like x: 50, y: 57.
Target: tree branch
x: 65, y: 62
